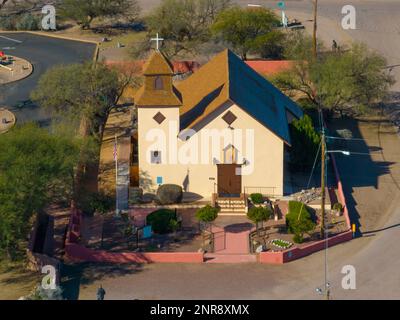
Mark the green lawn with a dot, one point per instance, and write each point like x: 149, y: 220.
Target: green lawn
x: 127, y: 39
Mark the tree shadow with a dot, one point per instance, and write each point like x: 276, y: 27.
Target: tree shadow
x: 238, y: 227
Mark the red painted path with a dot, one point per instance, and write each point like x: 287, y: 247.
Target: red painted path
x: 231, y: 245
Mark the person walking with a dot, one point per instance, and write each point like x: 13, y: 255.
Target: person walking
x: 334, y: 46
x: 101, y: 293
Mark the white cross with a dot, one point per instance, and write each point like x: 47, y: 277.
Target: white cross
x: 158, y: 39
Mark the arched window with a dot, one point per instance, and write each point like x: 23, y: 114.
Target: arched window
x: 158, y: 83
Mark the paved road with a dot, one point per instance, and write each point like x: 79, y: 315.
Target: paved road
x: 43, y: 53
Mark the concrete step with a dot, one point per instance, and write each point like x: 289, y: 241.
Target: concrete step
x: 228, y: 210
x: 229, y: 258
x: 233, y: 207
x: 232, y: 210
x: 231, y: 202
x: 234, y: 214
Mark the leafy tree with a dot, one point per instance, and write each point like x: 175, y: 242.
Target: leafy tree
x: 344, y: 81
x: 305, y: 142
x: 207, y: 215
x: 257, y: 198
x: 36, y: 168
x: 248, y: 30
x: 84, y: 12
x: 299, y: 221
x: 184, y: 24
x: 259, y: 214
x: 83, y: 92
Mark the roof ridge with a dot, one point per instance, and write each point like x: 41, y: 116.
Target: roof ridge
x: 228, y: 81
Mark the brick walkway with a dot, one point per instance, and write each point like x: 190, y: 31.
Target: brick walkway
x: 231, y: 241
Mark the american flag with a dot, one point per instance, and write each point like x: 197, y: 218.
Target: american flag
x: 115, y: 149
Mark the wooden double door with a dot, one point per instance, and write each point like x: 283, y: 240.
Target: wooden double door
x: 229, y: 180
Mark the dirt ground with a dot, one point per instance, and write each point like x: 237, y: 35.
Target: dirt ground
x: 371, y: 175
x: 15, y: 281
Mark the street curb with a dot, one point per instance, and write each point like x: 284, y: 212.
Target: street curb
x: 28, y: 75
x: 14, y: 121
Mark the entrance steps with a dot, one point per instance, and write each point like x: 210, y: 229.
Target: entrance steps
x: 229, y: 258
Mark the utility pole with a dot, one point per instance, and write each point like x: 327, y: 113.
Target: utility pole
x: 315, y: 29
x: 323, y: 161
x: 324, y: 234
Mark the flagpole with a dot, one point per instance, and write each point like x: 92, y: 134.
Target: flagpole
x: 116, y: 175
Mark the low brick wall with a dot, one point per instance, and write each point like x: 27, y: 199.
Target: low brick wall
x: 300, y: 252
x: 341, y: 196
x: 78, y: 252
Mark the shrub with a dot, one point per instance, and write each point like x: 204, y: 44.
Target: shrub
x: 160, y: 220
x: 7, y: 23
x: 173, y: 225
x: 28, y: 22
x: 259, y: 214
x: 338, y: 207
x: 257, y: 198
x: 299, y: 220
x: 305, y: 142
x: 297, y: 238
x: 169, y: 194
x: 45, y: 294
x: 97, y: 202
x: 207, y: 214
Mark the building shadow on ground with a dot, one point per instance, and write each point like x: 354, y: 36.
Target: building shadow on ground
x: 359, y: 169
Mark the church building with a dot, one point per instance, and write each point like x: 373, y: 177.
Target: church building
x: 221, y: 132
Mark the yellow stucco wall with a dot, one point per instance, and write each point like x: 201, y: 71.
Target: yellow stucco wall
x: 200, y: 178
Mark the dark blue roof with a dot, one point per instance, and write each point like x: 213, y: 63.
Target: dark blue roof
x: 260, y: 98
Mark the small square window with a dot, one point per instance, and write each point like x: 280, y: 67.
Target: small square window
x: 159, y: 118
x: 156, y: 157
x: 229, y: 118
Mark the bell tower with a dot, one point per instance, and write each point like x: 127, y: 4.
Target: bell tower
x: 158, y: 105
x: 158, y: 89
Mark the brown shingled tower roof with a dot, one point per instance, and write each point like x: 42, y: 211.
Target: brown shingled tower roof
x: 147, y: 95
x: 158, y: 64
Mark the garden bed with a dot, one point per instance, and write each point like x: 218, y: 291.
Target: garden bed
x: 113, y: 238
